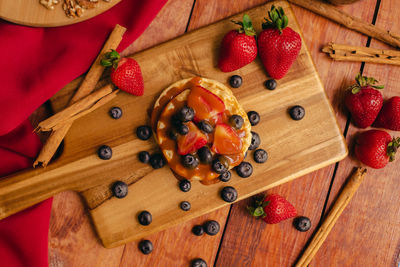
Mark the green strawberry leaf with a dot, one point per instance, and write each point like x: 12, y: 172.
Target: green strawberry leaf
x: 265, y: 203
x: 105, y: 63
x: 110, y: 59
x: 392, y: 148
x: 277, y: 19
x: 246, y: 26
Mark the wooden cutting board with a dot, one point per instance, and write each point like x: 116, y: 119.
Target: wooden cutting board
x: 32, y: 13
x: 294, y: 147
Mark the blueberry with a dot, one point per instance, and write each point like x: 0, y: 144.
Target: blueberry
x: 157, y: 161
x: 235, y: 81
x: 185, y: 185
x: 190, y: 161
x: 175, y: 121
x: 185, y: 205
x: 120, y: 189
x: 254, y: 117
x: 198, y: 263
x: 205, y: 126
x: 115, y: 113
x: 205, y: 155
x: 198, y: 230
x: 270, y: 84
x: 144, y: 156
x: 173, y: 134
x: 255, y: 141
x: 145, y: 217
x: 218, y: 167
x: 244, y: 169
x: 260, y: 156
x: 104, y: 152
x: 229, y: 194
x: 297, y: 112
x: 185, y: 114
x: 236, y: 121
x: 143, y: 132
x: 302, y: 223
x: 183, y: 129
x: 211, y: 227
x: 146, y: 247
x: 226, y: 176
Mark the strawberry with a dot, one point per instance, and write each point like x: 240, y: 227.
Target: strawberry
x: 363, y: 101
x: 238, y: 47
x: 272, y: 209
x: 125, y: 73
x: 204, y: 103
x: 226, y: 140
x: 389, y: 116
x: 278, y: 45
x: 191, y: 141
x: 376, y: 148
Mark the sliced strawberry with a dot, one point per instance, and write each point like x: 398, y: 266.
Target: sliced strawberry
x: 226, y: 140
x: 192, y: 141
x: 205, y: 103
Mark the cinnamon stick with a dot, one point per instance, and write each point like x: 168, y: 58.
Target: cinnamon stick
x: 340, y: 204
x: 87, y: 85
x: 349, y: 21
x: 362, y: 54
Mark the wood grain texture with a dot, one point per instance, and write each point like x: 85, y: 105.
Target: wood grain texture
x: 280, y: 245
x: 32, y: 13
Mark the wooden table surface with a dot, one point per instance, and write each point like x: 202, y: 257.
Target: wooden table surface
x: 367, y: 233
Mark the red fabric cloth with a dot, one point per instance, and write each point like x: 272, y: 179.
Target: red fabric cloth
x: 35, y: 63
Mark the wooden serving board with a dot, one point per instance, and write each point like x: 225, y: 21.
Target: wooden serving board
x: 32, y: 13
x: 294, y: 147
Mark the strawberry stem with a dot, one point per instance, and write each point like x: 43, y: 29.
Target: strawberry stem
x: 246, y: 26
x: 277, y: 19
x: 362, y: 81
x: 392, y: 148
x: 110, y: 59
x: 257, y: 207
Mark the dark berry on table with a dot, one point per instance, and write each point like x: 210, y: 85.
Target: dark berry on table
x: 270, y: 84
x: 297, y: 112
x: 198, y: 263
x: 144, y: 156
x: 115, y: 113
x: 183, y: 129
x: 236, y: 121
x: 211, y: 227
x: 205, y: 155
x: 190, y: 161
x: 175, y: 121
x: 229, y: 194
x: 205, y: 126
x: 185, y: 114
x: 185, y: 205
x: 120, y: 189
x: 244, y: 169
x: 235, y: 81
x: 224, y: 161
x: 226, y: 176
x: 218, y: 167
x: 143, y: 132
x: 145, y: 217
x: 198, y: 230
x: 157, y: 161
x: 254, y: 117
x: 146, y: 247
x: 302, y: 223
x: 260, y: 156
x: 173, y: 134
x: 185, y: 185
x: 104, y: 152
x: 255, y: 141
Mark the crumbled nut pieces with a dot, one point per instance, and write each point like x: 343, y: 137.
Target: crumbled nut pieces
x: 72, y: 8
x: 49, y: 4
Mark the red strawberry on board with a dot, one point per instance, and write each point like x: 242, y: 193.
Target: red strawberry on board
x: 272, y: 209
x: 238, y: 47
x: 278, y: 45
x: 389, y: 116
x: 375, y: 148
x: 125, y: 73
x: 363, y: 101
x: 226, y: 140
x: 191, y: 141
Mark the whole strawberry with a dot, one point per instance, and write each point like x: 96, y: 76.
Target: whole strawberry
x: 125, y: 73
x: 278, y: 45
x: 238, y: 47
x: 363, y: 101
x: 272, y: 209
x: 375, y: 148
x: 389, y: 116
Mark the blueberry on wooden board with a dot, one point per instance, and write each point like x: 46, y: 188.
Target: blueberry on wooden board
x: 146, y: 247
x: 115, y: 113
x: 185, y: 185
x: 144, y: 156
x: 297, y: 112
x: 157, y: 161
x: 235, y: 81
x: 143, y: 132
x: 225, y: 177
x: 218, y: 166
x: 229, y: 194
x: 254, y: 117
x: 198, y: 263
x: 302, y: 223
x: 198, y: 230
x: 211, y: 227
x: 185, y: 205
x: 145, y: 217
x: 244, y: 169
x: 270, y: 84
x: 104, y: 152
x: 190, y: 161
x: 260, y: 155
x: 120, y: 189
x: 255, y: 141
